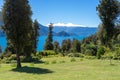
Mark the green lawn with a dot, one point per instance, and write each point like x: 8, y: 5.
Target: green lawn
x: 63, y: 69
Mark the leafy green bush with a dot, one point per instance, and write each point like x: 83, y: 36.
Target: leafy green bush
x: 72, y: 59
x: 30, y: 59
x: 100, y: 52
x: 45, y: 53
x: 76, y: 55
x: 5, y: 60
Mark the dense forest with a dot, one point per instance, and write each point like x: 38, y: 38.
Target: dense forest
x: 22, y: 35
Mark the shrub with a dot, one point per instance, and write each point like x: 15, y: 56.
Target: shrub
x: 76, y: 55
x: 45, y: 53
x: 5, y: 60
x: 29, y: 59
x: 100, y: 52
x: 72, y: 59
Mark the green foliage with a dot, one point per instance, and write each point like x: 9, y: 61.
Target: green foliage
x: 76, y: 46
x: 72, y: 60
x: 89, y: 49
x: 56, y: 47
x: 45, y: 53
x: 108, y: 11
x: 76, y: 55
x: 17, y: 25
x: 100, y: 52
x: 36, y: 34
x: 66, y: 46
x: 49, y: 45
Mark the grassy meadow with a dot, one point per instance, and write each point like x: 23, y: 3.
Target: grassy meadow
x: 62, y: 68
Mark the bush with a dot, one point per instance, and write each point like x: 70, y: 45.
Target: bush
x: 76, y: 55
x: 12, y: 57
x: 29, y: 59
x: 5, y: 60
x: 73, y: 60
x: 45, y: 53
x: 100, y: 52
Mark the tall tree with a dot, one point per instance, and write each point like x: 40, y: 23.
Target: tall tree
x: 49, y: 45
x: 56, y: 47
x: 108, y: 11
x: 17, y: 25
x: 36, y: 34
x: 76, y: 46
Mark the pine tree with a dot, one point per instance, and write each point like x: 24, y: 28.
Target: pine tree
x: 17, y: 25
x: 49, y: 45
x: 36, y: 34
x: 108, y: 11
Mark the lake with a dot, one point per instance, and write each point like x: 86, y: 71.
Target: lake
x: 41, y: 41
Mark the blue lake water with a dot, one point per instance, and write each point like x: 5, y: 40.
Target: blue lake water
x: 3, y: 42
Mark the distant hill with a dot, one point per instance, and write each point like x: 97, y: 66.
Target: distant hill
x: 85, y: 31
x: 63, y: 33
x: 44, y: 31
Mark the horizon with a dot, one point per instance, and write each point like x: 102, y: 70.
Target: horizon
x: 68, y: 13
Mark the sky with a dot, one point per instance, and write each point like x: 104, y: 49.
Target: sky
x: 65, y: 12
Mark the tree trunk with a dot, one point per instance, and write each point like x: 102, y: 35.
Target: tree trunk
x: 18, y: 60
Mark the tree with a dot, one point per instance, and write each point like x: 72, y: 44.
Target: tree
x: 108, y: 11
x: 36, y: 34
x: 76, y: 46
x: 56, y: 46
x: 49, y: 45
x: 17, y: 25
x: 64, y: 46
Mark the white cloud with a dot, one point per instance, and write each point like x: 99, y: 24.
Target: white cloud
x: 68, y: 25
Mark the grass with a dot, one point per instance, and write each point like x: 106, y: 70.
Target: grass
x: 79, y: 70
